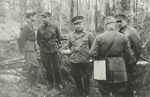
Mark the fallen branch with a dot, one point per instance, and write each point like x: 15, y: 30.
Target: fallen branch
x: 14, y: 73
x: 11, y: 61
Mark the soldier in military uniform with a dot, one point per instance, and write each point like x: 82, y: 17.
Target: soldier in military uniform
x: 136, y: 48
x: 79, y: 43
x: 26, y: 44
x: 48, y: 38
x: 117, y: 56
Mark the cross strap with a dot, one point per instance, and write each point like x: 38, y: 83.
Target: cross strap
x: 107, y: 50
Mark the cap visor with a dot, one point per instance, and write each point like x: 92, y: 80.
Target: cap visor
x: 43, y: 15
x: 118, y: 19
x: 78, y: 21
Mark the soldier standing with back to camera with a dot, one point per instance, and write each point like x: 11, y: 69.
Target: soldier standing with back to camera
x: 79, y: 43
x: 117, y: 55
x: 48, y: 38
x: 136, y: 48
x: 26, y: 44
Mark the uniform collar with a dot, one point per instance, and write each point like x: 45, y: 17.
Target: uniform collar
x: 79, y: 32
x: 77, y: 35
x: 47, y: 25
x: 121, y: 30
x: 111, y: 29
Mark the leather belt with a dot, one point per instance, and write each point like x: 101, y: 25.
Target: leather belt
x: 114, y: 55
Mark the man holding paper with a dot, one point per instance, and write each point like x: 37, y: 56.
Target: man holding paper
x: 136, y: 44
x: 112, y: 50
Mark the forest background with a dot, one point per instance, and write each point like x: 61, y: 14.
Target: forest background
x: 94, y: 12
x: 12, y: 15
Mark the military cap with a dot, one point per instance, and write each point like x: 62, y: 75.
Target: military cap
x: 109, y: 20
x: 120, y: 16
x: 77, y: 19
x: 30, y: 13
x: 48, y: 14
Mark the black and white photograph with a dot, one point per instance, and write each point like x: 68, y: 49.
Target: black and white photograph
x: 74, y: 48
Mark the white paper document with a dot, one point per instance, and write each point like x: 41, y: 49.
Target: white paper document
x: 100, y: 69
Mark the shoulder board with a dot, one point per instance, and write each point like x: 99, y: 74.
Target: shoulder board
x: 131, y: 28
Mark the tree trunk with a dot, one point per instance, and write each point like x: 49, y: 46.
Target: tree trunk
x: 77, y: 7
x: 96, y: 16
x: 88, y: 16
x: 23, y: 7
x: 93, y: 16
x: 71, y: 9
x: 60, y: 16
x: 67, y: 12
x: 14, y: 4
x: 52, y: 7
x: 127, y: 9
x: 136, y: 6
x: 125, y: 5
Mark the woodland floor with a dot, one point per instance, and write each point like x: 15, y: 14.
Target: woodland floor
x: 12, y: 87
x: 13, y: 82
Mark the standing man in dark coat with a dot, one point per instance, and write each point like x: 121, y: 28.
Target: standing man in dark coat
x: 26, y: 44
x: 79, y: 43
x: 135, y: 49
x: 48, y: 38
x: 118, y: 55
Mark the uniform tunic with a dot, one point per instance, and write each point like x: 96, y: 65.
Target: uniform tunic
x: 26, y: 43
x: 117, y: 69
x: 80, y: 45
x: 118, y: 54
x: 134, y: 42
x: 27, y: 34
x: 48, y: 38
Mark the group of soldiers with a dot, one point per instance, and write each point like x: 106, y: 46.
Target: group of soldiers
x: 124, y: 51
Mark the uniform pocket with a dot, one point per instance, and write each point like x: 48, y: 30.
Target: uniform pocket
x: 85, y: 40
x: 53, y: 47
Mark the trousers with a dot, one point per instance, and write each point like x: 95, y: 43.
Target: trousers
x: 82, y: 73
x: 50, y: 62
x: 33, y: 66
x: 130, y: 86
x: 116, y: 89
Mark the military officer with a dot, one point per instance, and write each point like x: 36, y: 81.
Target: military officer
x: 79, y: 43
x: 117, y: 55
x: 26, y: 44
x: 136, y: 49
x: 48, y: 39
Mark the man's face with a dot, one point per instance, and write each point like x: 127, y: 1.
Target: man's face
x: 79, y: 26
x: 121, y: 23
x: 33, y: 18
x: 45, y: 19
